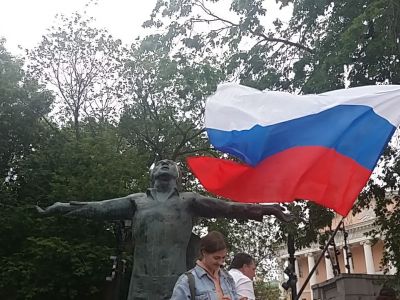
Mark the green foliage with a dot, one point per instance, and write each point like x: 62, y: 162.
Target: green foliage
x: 80, y: 63
x: 161, y: 84
x: 266, y: 290
x: 245, y: 50
x: 353, y: 41
x: 357, y: 43
x: 49, y: 268
x: 55, y: 258
x: 64, y: 258
x: 254, y: 238
x: 22, y: 104
x: 326, y: 45
x: 91, y: 168
x: 248, y: 50
x: 383, y: 196
x: 310, y: 218
x: 164, y: 99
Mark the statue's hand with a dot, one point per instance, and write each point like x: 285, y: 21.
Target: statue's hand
x: 56, y: 208
x: 40, y: 210
x: 278, y: 212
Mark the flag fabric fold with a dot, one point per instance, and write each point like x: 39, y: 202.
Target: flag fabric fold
x: 321, y: 148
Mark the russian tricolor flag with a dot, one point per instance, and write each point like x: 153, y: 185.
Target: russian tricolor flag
x: 321, y: 148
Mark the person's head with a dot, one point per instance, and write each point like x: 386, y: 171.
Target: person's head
x: 164, y: 170
x: 245, y: 263
x: 213, y: 250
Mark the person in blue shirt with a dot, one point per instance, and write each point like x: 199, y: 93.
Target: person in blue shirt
x: 211, y: 281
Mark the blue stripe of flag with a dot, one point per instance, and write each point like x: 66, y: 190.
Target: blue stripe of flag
x: 355, y: 131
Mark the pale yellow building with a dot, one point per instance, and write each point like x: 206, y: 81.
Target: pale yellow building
x: 366, y: 254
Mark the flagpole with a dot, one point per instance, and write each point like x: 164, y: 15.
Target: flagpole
x: 292, y: 266
x: 319, y: 259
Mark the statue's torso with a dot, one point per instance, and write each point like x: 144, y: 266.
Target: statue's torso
x: 161, y: 231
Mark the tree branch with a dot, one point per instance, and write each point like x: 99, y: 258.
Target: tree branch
x: 259, y: 34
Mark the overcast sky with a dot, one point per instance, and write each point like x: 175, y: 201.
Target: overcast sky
x: 23, y: 22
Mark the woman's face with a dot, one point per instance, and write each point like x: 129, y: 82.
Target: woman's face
x: 213, y: 261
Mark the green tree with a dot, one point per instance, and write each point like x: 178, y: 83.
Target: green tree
x: 80, y: 63
x: 326, y: 45
x: 65, y: 258
x: 254, y: 238
x: 354, y: 44
x: 266, y: 290
x: 244, y: 49
x: 253, y: 47
x: 165, y: 79
x: 23, y: 107
x: 23, y: 104
x: 164, y: 99
x: 50, y: 258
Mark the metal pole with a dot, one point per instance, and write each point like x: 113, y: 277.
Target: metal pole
x: 292, y: 259
x: 336, y: 266
x: 319, y: 260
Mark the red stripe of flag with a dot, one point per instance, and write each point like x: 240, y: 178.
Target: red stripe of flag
x: 312, y: 173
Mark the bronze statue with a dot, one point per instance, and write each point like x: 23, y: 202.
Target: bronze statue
x: 162, y: 221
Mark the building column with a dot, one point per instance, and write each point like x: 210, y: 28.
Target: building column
x: 350, y: 259
x: 369, y: 259
x: 328, y: 267
x: 313, y: 278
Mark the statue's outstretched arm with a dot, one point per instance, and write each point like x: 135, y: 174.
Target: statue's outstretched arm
x: 216, y: 208
x: 113, y: 209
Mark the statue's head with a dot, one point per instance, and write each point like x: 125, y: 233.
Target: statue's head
x: 165, y: 170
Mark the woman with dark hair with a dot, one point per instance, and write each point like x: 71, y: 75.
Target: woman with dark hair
x: 207, y: 280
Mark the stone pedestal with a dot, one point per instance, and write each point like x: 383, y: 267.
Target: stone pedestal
x: 349, y: 287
